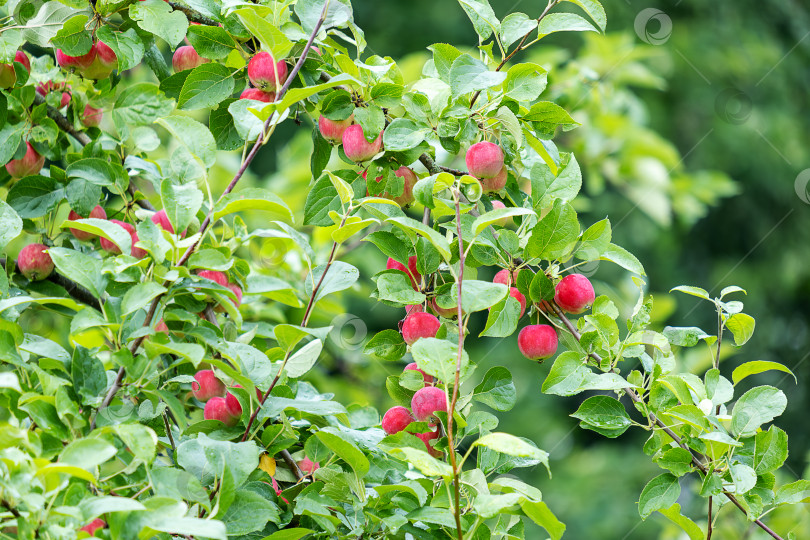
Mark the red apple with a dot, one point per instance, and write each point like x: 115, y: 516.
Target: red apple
x: 356, y: 147
x: 496, y: 183
x: 22, y: 58
x: 34, y: 262
x: 206, y: 385
x: 517, y: 295
x: 93, y: 526
x: 410, y: 179
x: 396, y: 419
x: 258, y: 95
x: 75, y: 62
x: 109, y: 246
x: 217, y: 409
x: 265, y: 73
x: 419, y: 325
x: 97, y: 212
x: 574, y: 293
x: 426, y: 438
x: 31, y: 163
x: 502, y: 277
x: 537, y: 341
x: 8, y: 77
x: 91, y: 117
x: 161, y: 327
x: 415, y: 276
x: 308, y: 466
x: 332, y: 130
x: 484, y: 159
x: 427, y: 401
x: 186, y: 57
x: 103, y: 63
x: 217, y: 277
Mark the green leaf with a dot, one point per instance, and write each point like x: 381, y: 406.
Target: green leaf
x: 424, y: 462
x: 497, y: 389
x: 438, y: 357
x: 83, y: 269
x: 555, y: 234
x: 194, y: 136
x: 73, y: 38
x: 42, y: 28
x: 505, y: 443
x: 157, y: 17
x: 254, y: 199
x: 479, y: 295
x: 794, y: 493
x: 525, y: 82
x: 87, y: 453
x: 244, y: 112
x: 770, y: 450
x: 340, y: 276
x: 756, y: 367
x: 181, y: 202
x: 128, y: 48
x: 10, y: 139
x: 210, y: 41
x: 595, y: 11
x: 403, y: 134
x: 673, y: 513
x: 469, y: 74
x: 661, y: 492
x: 304, y: 358
x: 95, y: 171
x: 140, y: 296
x: 397, y: 287
x: 309, y: 12
x: 249, y: 512
x: 539, y: 512
x: 271, y: 38
x: 443, y: 57
x: 623, y: 258
x: 758, y: 406
x: 34, y: 196
x: 566, y: 375
x: 693, y: 291
x: 141, y: 104
x: 89, y: 377
x: 387, y: 344
x: 345, y: 450
x: 482, y: 17
x: 206, y: 86
x: 190, y: 351
x: 413, y: 227
x: 605, y: 415
x: 742, y: 327
x: 684, y: 336
x: 493, y: 216
x: 678, y: 461
x: 113, y: 232
x: 563, y: 22
x: 514, y: 26
x: 223, y: 128
x: 93, y: 507
x: 502, y: 319
x: 10, y: 224
x: 547, y: 116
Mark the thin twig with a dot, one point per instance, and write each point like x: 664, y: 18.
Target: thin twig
x: 10, y: 508
x: 709, y: 533
x: 296, y: 470
x: 192, y: 15
x: 696, y: 460
x: 169, y: 432
x: 454, y: 399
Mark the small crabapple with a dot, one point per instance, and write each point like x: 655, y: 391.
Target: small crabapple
x: 419, y: 325
x: 426, y: 438
x: 502, y: 277
x: 186, y: 57
x: 484, y: 159
x: 216, y: 277
x: 93, y: 526
x: 537, y: 341
x: 104, y: 62
x: 257, y: 95
x: 412, y: 272
x: 217, y: 409
x: 574, y: 293
x: 396, y: 419
x: 206, y: 385
x: 496, y: 183
x: 97, y: 213
x: 356, y: 147
x: 31, y: 163
x: 332, y: 130
x: 427, y: 401
x: 34, y: 262
x: 413, y: 367
x: 517, y: 295
x: 23, y: 59
x: 265, y: 73
x: 308, y: 466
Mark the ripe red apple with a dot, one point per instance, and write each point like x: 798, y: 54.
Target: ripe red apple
x: 31, y: 163
x: 426, y: 438
x: 484, y: 159
x: 8, y: 77
x: 413, y: 367
x: 76, y: 62
x: 410, y: 179
x: 104, y: 62
x: 110, y: 247
x: 356, y: 147
x: 258, y: 95
x: 415, y: 276
x: 396, y: 419
x: 233, y: 404
x: 217, y: 277
x: 161, y: 219
x: 237, y: 290
x: 427, y: 401
x: 496, y: 183
x: 332, y: 130
x: 93, y: 526
x: 308, y: 466
x: 517, y: 295
x: 419, y: 325
x: 217, y: 409
x: 22, y: 58
x: 265, y: 73
x: 97, y: 212
x: 502, y: 277
x: 91, y: 117
x: 574, y: 293
x: 537, y: 341
x: 206, y: 385
x: 186, y: 57
x: 34, y: 262
x: 161, y: 327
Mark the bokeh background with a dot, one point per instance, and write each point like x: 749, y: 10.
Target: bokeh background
x: 695, y: 142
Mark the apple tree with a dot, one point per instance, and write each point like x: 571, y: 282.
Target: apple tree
x: 166, y: 395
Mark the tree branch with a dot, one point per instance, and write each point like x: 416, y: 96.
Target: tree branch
x: 62, y: 122
x: 192, y: 15
x: 696, y: 460
x: 76, y: 291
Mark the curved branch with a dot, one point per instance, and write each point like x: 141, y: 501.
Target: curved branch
x: 62, y: 122
x: 696, y: 460
x: 192, y: 15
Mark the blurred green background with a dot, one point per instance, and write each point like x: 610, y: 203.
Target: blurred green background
x: 693, y: 141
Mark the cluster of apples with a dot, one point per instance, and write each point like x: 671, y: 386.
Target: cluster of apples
x: 355, y: 145
x: 485, y: 161
x: 8, y: 76
x: 425, y: 403
x: 98, y: 63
